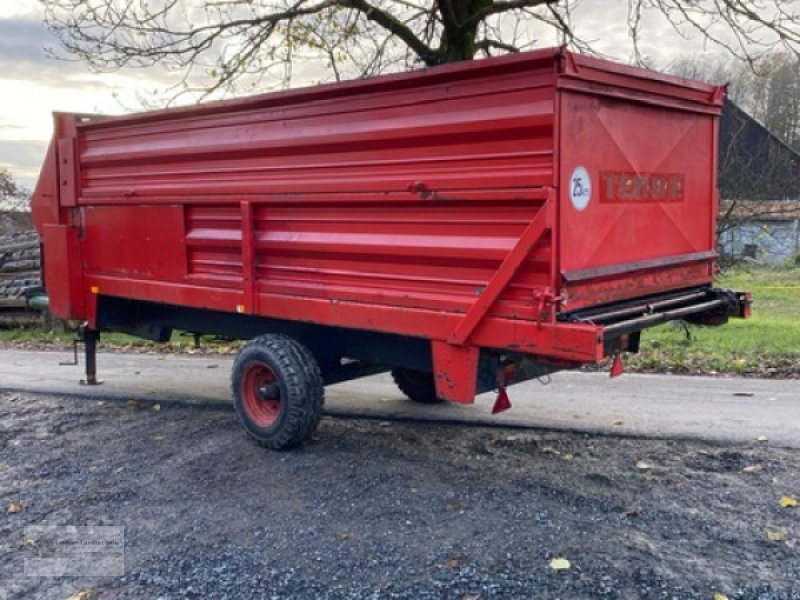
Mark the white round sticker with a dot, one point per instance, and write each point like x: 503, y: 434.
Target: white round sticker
x: 580, y: 188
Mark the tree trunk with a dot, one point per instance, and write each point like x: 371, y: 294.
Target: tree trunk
x: 460, y: 28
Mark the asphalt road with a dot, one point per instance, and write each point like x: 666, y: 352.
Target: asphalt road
x: 661, y: 406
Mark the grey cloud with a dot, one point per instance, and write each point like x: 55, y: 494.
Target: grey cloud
x: 24, y: 39
x: 23, y: 55
x: 22, y: 52
x: 23, y: 159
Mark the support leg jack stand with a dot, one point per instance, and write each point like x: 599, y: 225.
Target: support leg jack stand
x: 90, y: 338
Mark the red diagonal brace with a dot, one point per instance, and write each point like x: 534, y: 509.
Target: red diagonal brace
x: 529, y: 239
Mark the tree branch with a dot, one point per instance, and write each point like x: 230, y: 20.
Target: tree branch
x: 396, y: 27
x: 487, y: 44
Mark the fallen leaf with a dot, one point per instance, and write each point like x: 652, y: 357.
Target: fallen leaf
x: 560, y: 564
x: 744, y: 394
x: 3, y: 466
x: 156, y: 407
x: 82, y: 595
x: 212, y: 366
x: 452, y: 563
x: 787, y: 502
x: 452, y: 505
x: 346, y: 535
x: 15, y: 507
x: 471, y: 597
x: 30, y: 543
x: 632, y: 511
x: 718, y: 596
x: 762, y: 438
x: 619, y: 422
x: 775, y: 535
x: 752, y: 469
x: 643, y: 465
x: 568, y: 456
x: 134, y: 403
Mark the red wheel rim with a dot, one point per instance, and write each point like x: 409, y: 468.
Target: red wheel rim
x: 261, y: 394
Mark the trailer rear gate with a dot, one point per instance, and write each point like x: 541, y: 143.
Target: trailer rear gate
x: 464, y: 219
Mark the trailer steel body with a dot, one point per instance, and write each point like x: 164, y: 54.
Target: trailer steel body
x: 469, y: 225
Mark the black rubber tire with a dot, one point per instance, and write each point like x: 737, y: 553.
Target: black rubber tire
x: 417, y: 385
x: 301, y: 390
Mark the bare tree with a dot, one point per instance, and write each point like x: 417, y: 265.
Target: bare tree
x: 229, y: 42
x: 746, y: 29
x: 782, y: 110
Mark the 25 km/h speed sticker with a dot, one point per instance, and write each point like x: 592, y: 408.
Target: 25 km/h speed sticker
x: 580, y: 188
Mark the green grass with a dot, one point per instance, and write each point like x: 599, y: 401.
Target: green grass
x: 766, y: 344
x: 40, y: 336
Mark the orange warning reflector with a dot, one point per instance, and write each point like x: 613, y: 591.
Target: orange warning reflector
x: 502, y: 403
x: 617, y: 367
x: 94, y: 289
x: 240, y: 308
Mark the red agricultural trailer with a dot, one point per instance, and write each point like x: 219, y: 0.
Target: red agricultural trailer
x: 466, y: 226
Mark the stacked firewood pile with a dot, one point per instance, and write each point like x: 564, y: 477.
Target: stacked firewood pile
x: 20, y: 268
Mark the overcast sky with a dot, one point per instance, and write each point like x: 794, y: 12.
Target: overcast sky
x: 32, y: 85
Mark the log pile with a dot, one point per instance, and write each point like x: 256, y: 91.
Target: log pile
x: 20, y: 268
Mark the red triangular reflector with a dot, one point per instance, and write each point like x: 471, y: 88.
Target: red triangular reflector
x: 502, y: 403
x: 617, y: 367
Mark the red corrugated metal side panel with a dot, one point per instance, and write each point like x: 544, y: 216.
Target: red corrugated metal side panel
x: 401, y: 194
x: 641, y: 148
x: 404, y: 254
x: 486, y: 130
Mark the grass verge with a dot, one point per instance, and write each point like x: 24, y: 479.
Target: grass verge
x: 34, y: 337
x: 766, y: 345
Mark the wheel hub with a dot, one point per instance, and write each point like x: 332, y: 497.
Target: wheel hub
x: 261, y: 394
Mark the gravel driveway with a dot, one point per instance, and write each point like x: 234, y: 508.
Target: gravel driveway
x: 373, y: 509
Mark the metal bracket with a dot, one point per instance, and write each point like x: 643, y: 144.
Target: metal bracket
x: 74, y: 361
x: 529, y: 239
x: 546, y: 299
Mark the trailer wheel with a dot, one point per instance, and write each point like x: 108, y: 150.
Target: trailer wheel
x: 277, y: 391
x: 417, y: 385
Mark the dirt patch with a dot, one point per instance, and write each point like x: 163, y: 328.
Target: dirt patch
x: 388, y: 510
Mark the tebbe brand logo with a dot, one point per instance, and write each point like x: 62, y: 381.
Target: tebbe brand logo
x: 619, y: 187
